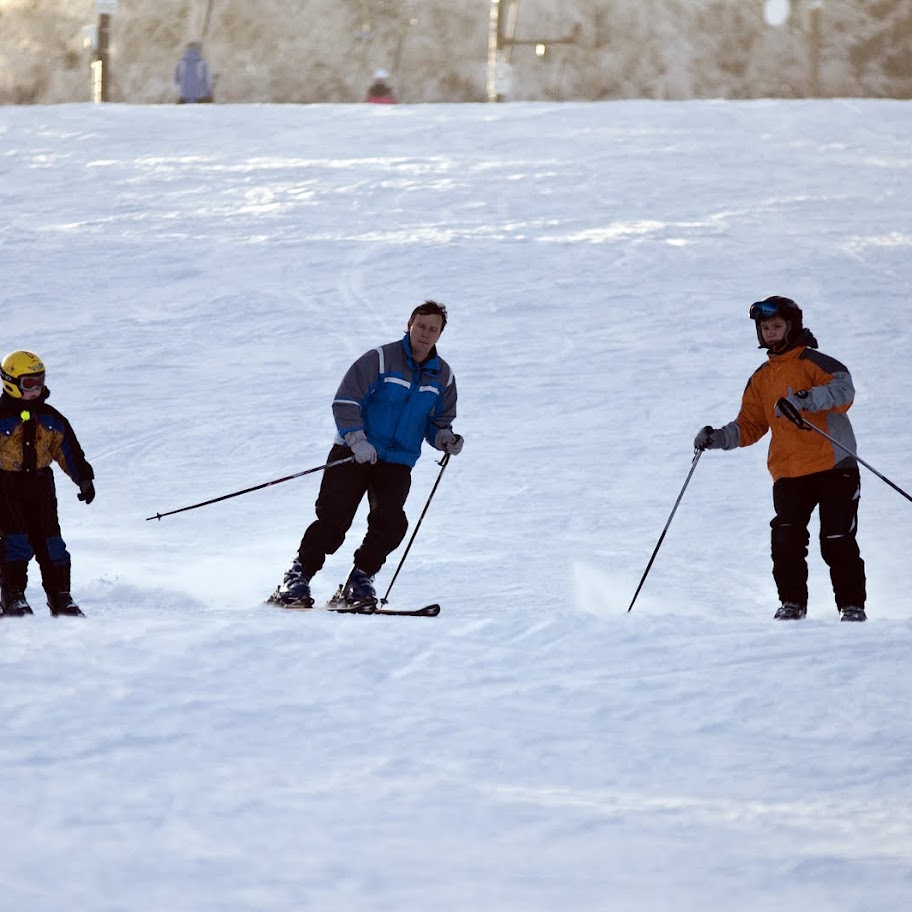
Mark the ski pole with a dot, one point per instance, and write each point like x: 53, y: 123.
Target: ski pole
x: 693, y: 465
x: 794, y: 416
x: 265, y: 484
x: 443, y: 464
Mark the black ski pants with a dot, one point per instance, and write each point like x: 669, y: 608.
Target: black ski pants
x: 835, y: 493
x: 29, y: 527
x: 341, y: 491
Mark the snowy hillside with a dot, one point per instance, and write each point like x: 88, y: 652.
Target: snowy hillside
x: 197, y: 280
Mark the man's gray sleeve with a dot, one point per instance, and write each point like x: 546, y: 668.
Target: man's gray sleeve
x: 353, y: 390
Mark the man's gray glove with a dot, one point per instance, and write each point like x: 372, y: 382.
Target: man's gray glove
x: 362, y: 450
x: 449, y: 442
x: 708, y: 438
x: 86, y: 492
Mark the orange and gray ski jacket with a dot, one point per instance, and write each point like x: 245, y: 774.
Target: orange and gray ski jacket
x: 827, y: 393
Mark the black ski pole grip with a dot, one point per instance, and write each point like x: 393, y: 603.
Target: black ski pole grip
x: 789, y: 411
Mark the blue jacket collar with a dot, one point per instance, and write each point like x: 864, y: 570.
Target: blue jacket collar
x: 431, y: 363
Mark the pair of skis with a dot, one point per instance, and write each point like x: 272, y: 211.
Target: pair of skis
x: 427, y: 611
x: 369, y: 606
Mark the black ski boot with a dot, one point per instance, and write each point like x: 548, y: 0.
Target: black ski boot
x: 790, y: 611
x: 852, y: 613
x: 57, y: 588
x: 62, y: 605
x: 16, y: 605
x: 358, y: 593
x: 294, y: 590
x: 13, y: 581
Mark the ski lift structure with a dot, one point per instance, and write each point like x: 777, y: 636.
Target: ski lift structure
x: 407, y: 17
x: 208, y: 18
x: 777, y: 14
x: 502, y: 39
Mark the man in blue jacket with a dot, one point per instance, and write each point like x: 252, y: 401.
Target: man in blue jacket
x: 390, y: 400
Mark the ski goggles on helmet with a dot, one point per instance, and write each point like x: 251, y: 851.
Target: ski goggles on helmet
x: 30, y: 382
x: 764, y: 310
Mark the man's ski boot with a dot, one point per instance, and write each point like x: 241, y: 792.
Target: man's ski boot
x: 16, y: 606
x: 852, y: 613
x: 790, y: 611
x: 62, y: 605
x: 294, y: 591
x: 358, y: 593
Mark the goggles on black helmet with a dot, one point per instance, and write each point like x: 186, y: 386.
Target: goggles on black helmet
x: 764, y: 310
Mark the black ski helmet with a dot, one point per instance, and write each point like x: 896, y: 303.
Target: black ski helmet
x: 778, y: 306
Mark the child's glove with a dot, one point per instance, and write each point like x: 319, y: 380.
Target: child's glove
x: 86, y: 492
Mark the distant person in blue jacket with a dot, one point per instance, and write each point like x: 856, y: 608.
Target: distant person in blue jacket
x: 192, y: 77
x: 392, y: 399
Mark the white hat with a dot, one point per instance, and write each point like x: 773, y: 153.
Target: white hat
x: 381, y: 74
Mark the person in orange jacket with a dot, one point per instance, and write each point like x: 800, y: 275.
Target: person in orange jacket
x: 808, y: 470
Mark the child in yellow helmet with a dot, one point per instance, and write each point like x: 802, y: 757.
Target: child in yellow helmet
x: 34, y: 434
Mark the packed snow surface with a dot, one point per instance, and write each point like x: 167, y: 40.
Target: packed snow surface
x: 198, y: 279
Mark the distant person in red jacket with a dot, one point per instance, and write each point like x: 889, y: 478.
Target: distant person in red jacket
x: 379, y: 91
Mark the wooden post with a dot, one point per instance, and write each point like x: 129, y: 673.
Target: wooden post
x: 493, y: 49
x: 101, y: 90
x: 101, y: 67
x: 814, y: 39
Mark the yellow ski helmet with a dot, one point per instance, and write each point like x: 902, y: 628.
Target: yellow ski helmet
x: 21, y: 370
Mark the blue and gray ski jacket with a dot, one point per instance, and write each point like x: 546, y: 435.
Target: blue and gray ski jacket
x: 396, y: 401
